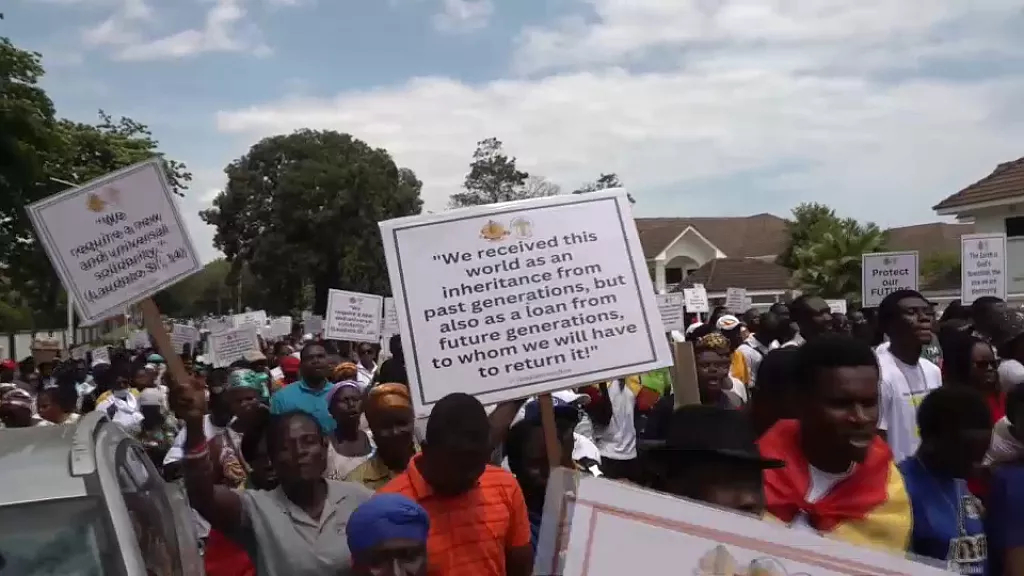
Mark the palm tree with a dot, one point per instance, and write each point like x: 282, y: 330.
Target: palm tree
x: 829, y: 263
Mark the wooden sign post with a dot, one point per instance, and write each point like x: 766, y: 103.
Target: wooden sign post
x: 155, y: 326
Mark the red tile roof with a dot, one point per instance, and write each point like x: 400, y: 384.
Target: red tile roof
x: 928, y: 239
x: 752, y: 274
x: 739, y: 237
x: 1006, y: 181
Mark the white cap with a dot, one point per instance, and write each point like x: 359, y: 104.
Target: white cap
x: 693, y: 327
x: 728, y: 322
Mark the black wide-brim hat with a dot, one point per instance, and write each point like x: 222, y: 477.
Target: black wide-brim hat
x: 699, y: 431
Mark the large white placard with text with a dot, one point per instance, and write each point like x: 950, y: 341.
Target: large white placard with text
x: 620, y: 529
x: 510, y: 300
x: 116, y: 240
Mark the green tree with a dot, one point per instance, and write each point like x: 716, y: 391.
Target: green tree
x: 806, y: 217
x: 493, y: 177
x: 603, y: 182
x: 941, y: 267
x: 301, y: 210
x: 38, y: 153
x: 828, y: 261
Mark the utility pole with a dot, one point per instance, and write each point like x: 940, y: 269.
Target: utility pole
x: 70, y: 300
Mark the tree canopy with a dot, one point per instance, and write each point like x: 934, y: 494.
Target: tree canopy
x: 603, y: 182
x: 824, y: 251
x: 300, y: 211
x: 493, y: 177
x: 39, y: 154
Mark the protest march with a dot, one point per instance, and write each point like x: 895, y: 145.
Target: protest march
x: 523, y: 401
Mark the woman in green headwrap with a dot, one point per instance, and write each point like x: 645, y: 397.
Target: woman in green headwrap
x: 247, y: 398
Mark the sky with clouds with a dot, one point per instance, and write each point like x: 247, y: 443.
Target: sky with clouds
x: 703, y: 107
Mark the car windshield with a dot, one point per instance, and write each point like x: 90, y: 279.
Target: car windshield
x: 57, y: 537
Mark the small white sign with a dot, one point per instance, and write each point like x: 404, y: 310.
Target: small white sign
x: 231, y: 346
x: 101, y: 355
x: 390, y: 316
x: 736, y: 300
x: 140, y: 340
x: 696, y: 299
x: 257, y: 318
x: 836, y: 306
x: 313, y: 325
x: 883, y: 273
x: 218, y: 325
x: 670, y: 306
x: 280, y: 327
x: 353, y: 316
x: 510, y: 300
x: 116, y: 240
x: 982, y: 266
x: 80, y: 352
x: 182, y: 334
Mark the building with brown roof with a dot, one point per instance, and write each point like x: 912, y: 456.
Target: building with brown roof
x: 740, y: 252
x: 992, y: 205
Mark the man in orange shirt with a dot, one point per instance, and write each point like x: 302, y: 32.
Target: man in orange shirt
x: 478, y: 520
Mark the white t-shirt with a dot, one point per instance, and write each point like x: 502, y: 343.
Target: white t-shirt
x: 1004, y: 447
x: 821, y: 484
x: 1011, y: 373
x: 364, y: 376
x: 617, y: 440
x: 753, y: 351
x: 901, y: 390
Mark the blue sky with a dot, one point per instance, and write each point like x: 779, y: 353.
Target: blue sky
x: 703, y: 107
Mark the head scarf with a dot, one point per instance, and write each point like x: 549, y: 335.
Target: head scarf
x: 386, y: 517
x: 386, y: 397
x: 713, y: 342
x: 245, y: 378
x: 337, y: 388
x: 151, y: 397
x: 17, y: 398
x: 345, y: 371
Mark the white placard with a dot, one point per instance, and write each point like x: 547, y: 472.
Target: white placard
x: 80, y: 352
x: 510, y: 300
x: 218, y: 325
x: 231, y: 346
x: 390, y: 316
x: 696, y: 299
x: 836, y: 306
x: 353, y: 316
x: 982, y: 266
x: 621, y: 529
x: 116, y: 240
x: 140, y: 340
x: 280, y: 327
x: 883, y: 273
x: 313, y: 325
x: 257, y: 318
x: 182, y: 334
x: 736, y: 300
x: 101, y: 355
x: 670, y: 306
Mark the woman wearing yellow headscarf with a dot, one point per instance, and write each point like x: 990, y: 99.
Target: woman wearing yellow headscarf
x: 389, y: 412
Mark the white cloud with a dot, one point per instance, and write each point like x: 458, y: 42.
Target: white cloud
x: 749, y: 86
x: 458, y: 16
x: 625, y: 30
x: 130, y: 30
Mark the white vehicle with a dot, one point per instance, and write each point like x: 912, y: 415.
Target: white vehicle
x: 85, y: 500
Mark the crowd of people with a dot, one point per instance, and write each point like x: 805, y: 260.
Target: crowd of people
x: 890, y: 428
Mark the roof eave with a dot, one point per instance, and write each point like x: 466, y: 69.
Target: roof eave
x: 953, y: 209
